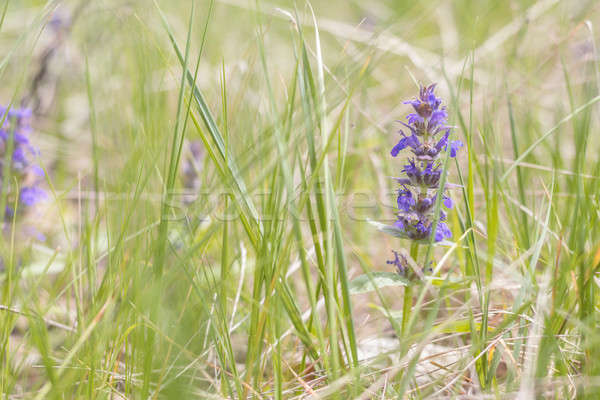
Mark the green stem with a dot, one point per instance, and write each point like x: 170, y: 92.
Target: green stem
x: 408, y: 300
x: 406, y: 307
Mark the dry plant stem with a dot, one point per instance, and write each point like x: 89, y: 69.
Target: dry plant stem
x: 407, y: 304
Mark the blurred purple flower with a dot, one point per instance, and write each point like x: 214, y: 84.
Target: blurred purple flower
x: 32, y: 195
x: 454, y: 146
x: 15, y: 126
x: 399, y: 262
x: 192, y: 166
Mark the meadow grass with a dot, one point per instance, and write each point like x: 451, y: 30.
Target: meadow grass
x: 217, y: 171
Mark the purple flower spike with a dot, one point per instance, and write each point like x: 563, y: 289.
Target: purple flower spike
x: 16, y: 128
x: 429, y: 136
x: 32, y: 195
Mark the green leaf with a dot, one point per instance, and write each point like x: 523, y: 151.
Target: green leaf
x: 365, y: 283
x: 389, y: 229
x: 453, y: 284
x: 459, y: 326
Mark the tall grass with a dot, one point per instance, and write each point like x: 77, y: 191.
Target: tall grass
x: 266, y: 279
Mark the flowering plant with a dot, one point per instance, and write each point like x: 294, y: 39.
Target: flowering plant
x: 426, y: 137
x: 16, y: 165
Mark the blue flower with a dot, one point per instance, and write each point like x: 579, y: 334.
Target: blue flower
x: 16, y: 126
x: 447, y: 202
x: 406, y: 141
x: 411, y: 169
x: 438, y: 118
x: 443, y: 142
x: 421, y: 229
x: 424, y: 204
x: 423, y: 173
x: 454, y: 146
x: 32, y: 195
x: 399, y: 224
x: 442, y: 232
x: 405, y: 199
x: 429, y: 117
x: 425, y: 125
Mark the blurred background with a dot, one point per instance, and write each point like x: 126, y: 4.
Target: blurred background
x: 211, y: 167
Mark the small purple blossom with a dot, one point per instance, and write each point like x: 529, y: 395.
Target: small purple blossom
x: 403, y: 268
x: 418, y: 226
x: 429, y: 117
x: 191, y: 167
x: 32, y: 195
x: 399, y: 262
x: 406, y: 141
x: 422, y: 175
x: 442, y: 232
x: 424, y: 205
x: 405, y: 199
x: 454, y: 146
x: 443, y: 142
x: 447, y: 202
